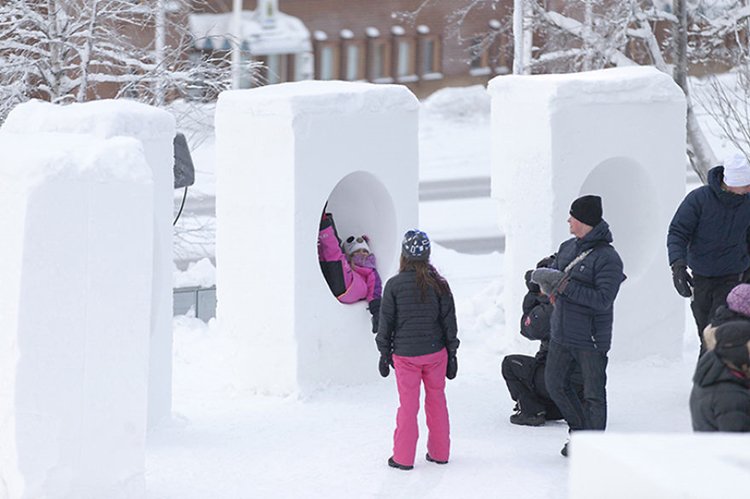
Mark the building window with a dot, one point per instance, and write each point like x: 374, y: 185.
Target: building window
x: 276, y: 68
x: 379, y: 60
x: 403, y: 55
x: 326, y: 61
x: 352, y: 57
x: 352, y: 63
x: 429, y: 55
x: 479, y: 62
x: 326, y: 57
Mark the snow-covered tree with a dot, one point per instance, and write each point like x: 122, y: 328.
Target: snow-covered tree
x: 76, y: 50
x: 673, y: 35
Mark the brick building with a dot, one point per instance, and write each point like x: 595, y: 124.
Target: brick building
x: 364, y: 40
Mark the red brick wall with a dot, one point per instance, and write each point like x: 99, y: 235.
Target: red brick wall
x: 331, y: 16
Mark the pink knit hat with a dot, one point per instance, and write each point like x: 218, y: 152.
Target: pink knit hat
x: 738, y: 300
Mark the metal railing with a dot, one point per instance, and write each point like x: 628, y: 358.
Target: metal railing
x: 201, y: 300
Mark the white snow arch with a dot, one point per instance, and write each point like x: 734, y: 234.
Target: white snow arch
x: 361, y: 204
x: 630, y: 200
x: 618, y: 133
x: 282, y: 151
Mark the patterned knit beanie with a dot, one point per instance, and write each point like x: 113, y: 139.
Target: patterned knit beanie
x: 738, y: 300
x: 416, y: 245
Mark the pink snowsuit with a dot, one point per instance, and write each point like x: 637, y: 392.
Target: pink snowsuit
x: 361, y: 278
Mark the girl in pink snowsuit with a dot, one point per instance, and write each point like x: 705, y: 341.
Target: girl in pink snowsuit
x: 351, y: 273
x: 418, y: 336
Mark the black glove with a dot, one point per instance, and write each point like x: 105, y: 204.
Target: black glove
x: 383, y: 365
x: 531, y: 286
x: 374, y: 308
x: 546, y: 262
x: 681, y: 279
x: 452, y: 369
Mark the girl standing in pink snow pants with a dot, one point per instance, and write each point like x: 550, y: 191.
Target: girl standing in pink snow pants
x: 417, y: 335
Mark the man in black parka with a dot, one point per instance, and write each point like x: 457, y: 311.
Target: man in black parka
x: 710, y: 234
x: 583, y: 288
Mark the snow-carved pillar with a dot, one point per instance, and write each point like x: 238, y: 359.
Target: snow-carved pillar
x: 75, y: 300
x: 283, y: 151
x: 155, y: 130
x: 618, y: 133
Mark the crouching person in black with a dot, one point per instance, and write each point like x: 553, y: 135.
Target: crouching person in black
x: 524, y: 374
x: 720, y: 399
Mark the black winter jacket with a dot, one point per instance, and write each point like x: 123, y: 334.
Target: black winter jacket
x: 410, y: 327
x: 583, y: 311
x: 710, y: 230
x: 535, y: 322
x: 720, y: 400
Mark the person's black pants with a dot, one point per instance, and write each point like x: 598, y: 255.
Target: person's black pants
x: 524, y: 376
x: 709, y: 293
x: 562, y: 362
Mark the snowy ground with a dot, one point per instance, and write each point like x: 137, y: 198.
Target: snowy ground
x: 335, y: 443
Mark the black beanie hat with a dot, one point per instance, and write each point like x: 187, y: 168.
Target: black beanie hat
x: 587, y: 209
x: 416, y: 245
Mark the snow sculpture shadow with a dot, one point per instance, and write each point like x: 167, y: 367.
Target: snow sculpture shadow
x: 630, y: 201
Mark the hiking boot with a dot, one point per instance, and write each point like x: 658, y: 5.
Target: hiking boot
x: 394, y: 464
x: 523, y: 419
x: 564, y: 451
x: 430, y: 459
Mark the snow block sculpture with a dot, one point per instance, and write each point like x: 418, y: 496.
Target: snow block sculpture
x: 283, y: 151
x: 624, y: 466
x: 75, y: 300
x: 155, y: 130
x: 617, y: 133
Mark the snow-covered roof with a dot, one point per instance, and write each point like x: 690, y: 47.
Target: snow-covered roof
x: 287, y: 35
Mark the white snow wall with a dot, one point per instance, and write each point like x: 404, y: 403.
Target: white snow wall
x: 658, y: 466
x: 283, y: 151
x: 76, y: 305
x: 618, y: 133
x: 155, y: 130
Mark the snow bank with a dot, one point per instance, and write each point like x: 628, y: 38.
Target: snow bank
x: 198, y: 274
x: 155, y: 130
x: 283, y: 152
x: 618, y: 133
x: 623, y: 466
x: 76, y: 271
x: 459, y: 103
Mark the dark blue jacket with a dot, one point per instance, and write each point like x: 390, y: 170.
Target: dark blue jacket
x: 709, y: 231
x: 583, y: 312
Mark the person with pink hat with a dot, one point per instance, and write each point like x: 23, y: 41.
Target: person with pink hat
x: 709, y: 234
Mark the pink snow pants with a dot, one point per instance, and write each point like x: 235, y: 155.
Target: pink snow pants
x: 410, y: 373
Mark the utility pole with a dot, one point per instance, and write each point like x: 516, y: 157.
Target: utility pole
x: 236, y: 29
x: 519, y: 38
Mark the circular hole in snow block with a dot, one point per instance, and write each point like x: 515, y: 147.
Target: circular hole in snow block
x: 630, y: 204
x: 361, y: 205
